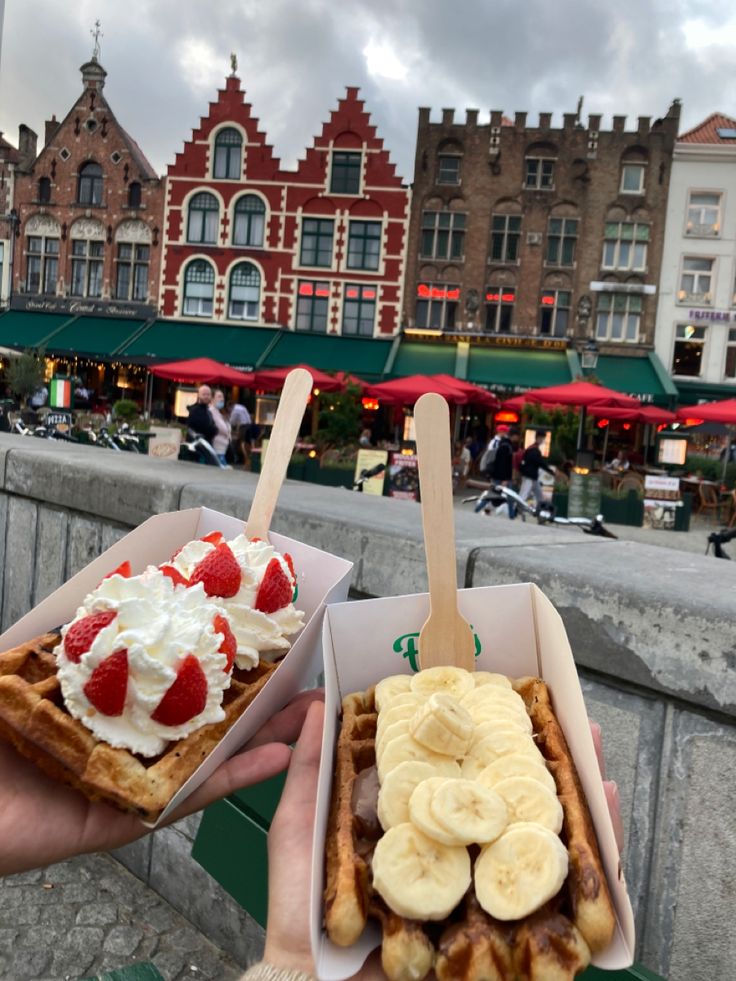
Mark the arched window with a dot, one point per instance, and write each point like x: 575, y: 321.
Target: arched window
x: 250, y: 219
x: 134, y: 195
x: 89, y: 186
x: 245, y: 292
x: 44, y: 190
x: 199, y: 289
x: 228, y: 154
x: 204, y: 213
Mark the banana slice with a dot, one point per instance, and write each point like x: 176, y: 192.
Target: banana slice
x: 490, y: 678
x: 403, y: 748
x: 389, y: 688
x: 442, y: 725
x: 529, y: 800
x: 391, y: 732
x: 495, y: 695
x: 453, y: 681
x: 404, y: 710
x: 471, y: 768
x: 504, y: 719
x: 501, y: 743
x: 417, y: 877
x: 422, y: 816
x: 397, y: 788
x: 469, y: 811
x: 520, y: 871
x: 517, y: 765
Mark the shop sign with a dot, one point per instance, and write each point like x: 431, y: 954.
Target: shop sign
x: 722, y: 316
x: 403, y: 476
x: 79, y: 307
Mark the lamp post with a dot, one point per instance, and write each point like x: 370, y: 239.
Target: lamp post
x: 14, y: 219
x: 588, y: 357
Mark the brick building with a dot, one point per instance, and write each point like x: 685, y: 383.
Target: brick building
x: 527, y: 236
x: 318, y: 249
x: 90, y: 213
x: 12, y: 160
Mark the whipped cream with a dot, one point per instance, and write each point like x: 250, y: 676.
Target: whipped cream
x: 258, y: 634
x: 159, y: 625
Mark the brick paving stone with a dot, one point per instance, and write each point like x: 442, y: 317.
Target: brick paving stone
x: 123, y: 940
x: 29, y: 963
x: 97, y: 914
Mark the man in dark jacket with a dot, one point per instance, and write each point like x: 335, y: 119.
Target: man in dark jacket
x: 531, y: 463
x: 200, y: 419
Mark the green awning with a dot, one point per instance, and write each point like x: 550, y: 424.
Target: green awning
x: 689, y: 393
x: 517, y: 369
x: 361, y: 356
x: 19, y: 329
x: 100, y: 336
x: 424, y: 358
x: 645, y: 378
x: 176, y: 340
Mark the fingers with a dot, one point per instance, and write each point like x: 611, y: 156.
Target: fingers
x: 595, y: 731
x: 299, y: 798
x: 286, y: 725
x: 610, y: 788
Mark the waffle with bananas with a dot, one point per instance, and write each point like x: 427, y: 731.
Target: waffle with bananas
x: 459, y: 823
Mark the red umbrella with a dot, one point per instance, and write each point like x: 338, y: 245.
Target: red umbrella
x: 405, y: 391
x: 476, y: 394
x: 581, y: 393
x: 650, y: 414
x: 724, y: 411
x: 272, y: 379
x: 201, y: 371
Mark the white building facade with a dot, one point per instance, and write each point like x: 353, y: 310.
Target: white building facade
x: 695, y: 335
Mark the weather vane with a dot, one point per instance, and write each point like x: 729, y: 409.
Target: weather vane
x: 233, y: 63
x: 96, y: 34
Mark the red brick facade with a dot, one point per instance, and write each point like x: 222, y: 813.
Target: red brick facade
x: 522, y: 231
x: 319, y: 248
x: 90, y: 210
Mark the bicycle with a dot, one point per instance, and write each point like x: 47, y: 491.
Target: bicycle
x: 717, y: 539
x: 366, y: 475
x: 497, y: 495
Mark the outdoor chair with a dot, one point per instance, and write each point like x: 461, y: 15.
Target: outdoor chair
x: 710, y: 502
x: 630, y: 481
x: 732, y: 503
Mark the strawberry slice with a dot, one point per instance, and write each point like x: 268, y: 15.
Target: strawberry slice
x: 214, y: 538
x: 174, y: 575
x: 108, y: 684
x: 275, y: 590
x: 229, y: 645
x: 80, y: 635
x: 186, y: 697
x: 219, y: 572
x: 123, y: 570
x: 290, y: 562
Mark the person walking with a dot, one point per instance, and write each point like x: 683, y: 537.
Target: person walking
x: 221, y: 439
x: 531, y: 463
x: 241, y: 422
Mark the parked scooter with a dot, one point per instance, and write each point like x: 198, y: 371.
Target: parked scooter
x: 717, y: 539
x: 497, y: 495
x: 196, y: 449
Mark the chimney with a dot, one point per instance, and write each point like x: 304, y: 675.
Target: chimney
x: 619, y: 124
x: 93, y: 75
x: 471, y: 117
x: 27, y: 143
x: 448, y: 117
x: 424, y: 113
x: 520, y: 120
x: 51, y: 127
x: 569, y: 120
x: 545, y: 120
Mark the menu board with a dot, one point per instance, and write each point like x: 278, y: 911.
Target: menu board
x: 661, y: 497
x: 403, y: 476
x: 584, y: 500
x: 369, y: 461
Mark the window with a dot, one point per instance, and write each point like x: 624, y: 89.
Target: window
x: 539, y: 174
x: 364, y: 245
x: 359, y: 310
x: 131, y: 274
x: 689, y: 345
x: 199, y: 288
x: 134, y: 194
x: 625, y: 245
x: 443, y: 234
x: 703, y: 214
x: 44, y: 190
x: 245, y: 292
x: 228, y: 154
x: 696, y: 280
x: 249, y: 221
x: 730, y: 371
x: 89, y: 186
x: 618, y: 317
x: 554, y: 313
x: 87, y: 256
x: 311, y: 307
x: 345, y: 178
x: 317, y: 234
x: 42, y: 267
x: 204, y: 214
x: 448, y: 170
x: 437, y: 305
x: 500, y: 308
x: 632, y: 179
x: 505, y: 235
x: 562, y: 236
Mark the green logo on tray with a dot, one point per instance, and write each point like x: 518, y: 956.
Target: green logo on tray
x: 408, y: 646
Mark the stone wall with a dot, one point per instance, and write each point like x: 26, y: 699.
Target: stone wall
x: 651, y: 629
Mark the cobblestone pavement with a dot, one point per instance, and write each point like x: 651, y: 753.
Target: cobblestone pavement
x: 89, y: 915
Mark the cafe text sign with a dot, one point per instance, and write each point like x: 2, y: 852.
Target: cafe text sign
x: 727, y: 316
x: 77, y: 307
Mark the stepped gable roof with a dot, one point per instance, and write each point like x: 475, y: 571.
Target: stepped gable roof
x: 707, y: 131
x: 8, y: 151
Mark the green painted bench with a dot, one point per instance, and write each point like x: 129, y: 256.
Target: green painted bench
x: 136, y: 972
x: 246, y: 817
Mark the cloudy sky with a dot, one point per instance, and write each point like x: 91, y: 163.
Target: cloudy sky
x: 166, y: 58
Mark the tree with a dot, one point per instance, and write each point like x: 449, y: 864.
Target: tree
x: 339, y: 418
x: 25, y: 374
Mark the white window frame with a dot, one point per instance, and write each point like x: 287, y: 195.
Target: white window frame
x: 447, y: 156
x: 444, y: 308
x: 496, y: 309
x: 697, y: 297
x: 632, y: 242
x: 697, y: 228
x: 539, y: 184
x: 627, y: 315
x: 556, y: 309
x: 642, y: 181
x: 703, y: 341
